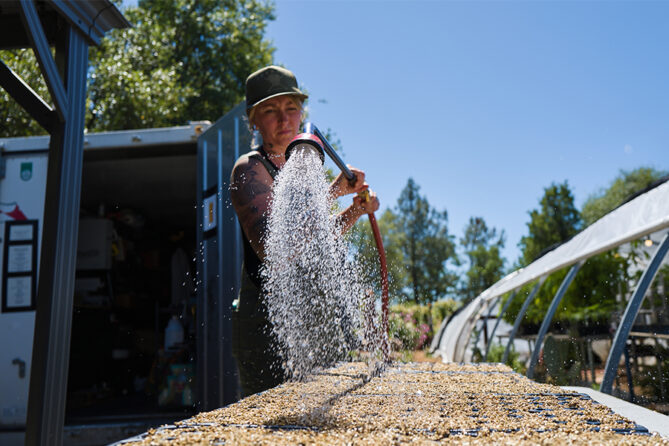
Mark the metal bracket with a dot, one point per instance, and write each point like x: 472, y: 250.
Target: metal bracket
x: 26, y: 97
x: 22, y: 366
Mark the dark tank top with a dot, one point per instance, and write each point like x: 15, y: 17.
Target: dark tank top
x: 252, y: 262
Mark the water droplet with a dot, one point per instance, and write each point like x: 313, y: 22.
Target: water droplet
x: 313, y: 291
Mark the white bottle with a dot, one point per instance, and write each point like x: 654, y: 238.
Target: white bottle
x: 174, y: 333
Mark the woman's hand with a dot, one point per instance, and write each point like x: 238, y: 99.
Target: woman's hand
x: 340, y: 186
x: 366, y: 204
x: 361, y: 205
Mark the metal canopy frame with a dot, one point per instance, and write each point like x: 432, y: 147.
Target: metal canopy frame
x: 70, y: 26
x: 633, y: 306
x: 507, y: 304
x: 472, y: 322
x: 619, y: 345
x: 645, y: 214
x: 520, y: 316
x: 549, y: 317
x: 484, y: 325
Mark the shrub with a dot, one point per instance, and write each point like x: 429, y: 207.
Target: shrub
x: 496, y: 353
x: 412, y: 326
x: 403, y: 333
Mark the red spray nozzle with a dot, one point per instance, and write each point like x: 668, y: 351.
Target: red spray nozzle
x: 306, y: 141
x: 313, y: 139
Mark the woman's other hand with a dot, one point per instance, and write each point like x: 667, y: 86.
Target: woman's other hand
x: 361, y: 205
x: 366, y: 204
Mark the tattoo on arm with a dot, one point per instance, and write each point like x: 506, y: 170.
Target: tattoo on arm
x: 248, y: 186
x: 251, y: 196
x: 255, y: 188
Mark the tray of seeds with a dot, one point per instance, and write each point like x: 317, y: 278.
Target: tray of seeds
x: 418, y: 403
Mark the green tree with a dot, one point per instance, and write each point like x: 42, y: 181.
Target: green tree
x: 426, y: 246
x: 591, y: 298
x: 556, y: 221
x: 625, y: 185
x: 486, y: 265
x: 182, y: 60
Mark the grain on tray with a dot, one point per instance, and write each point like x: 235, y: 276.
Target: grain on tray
x: 423, y: 403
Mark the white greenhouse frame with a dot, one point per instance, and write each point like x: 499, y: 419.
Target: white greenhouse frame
x: 640, y: 217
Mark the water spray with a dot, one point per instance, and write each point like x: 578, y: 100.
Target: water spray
x: 314, y: 141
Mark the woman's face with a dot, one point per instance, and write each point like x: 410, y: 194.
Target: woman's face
x: 278, y: 121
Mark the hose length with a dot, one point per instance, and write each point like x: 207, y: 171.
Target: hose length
x: 384, y: 280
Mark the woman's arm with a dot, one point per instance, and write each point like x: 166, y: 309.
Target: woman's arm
x: 250, y: 191
x: 361, y: 206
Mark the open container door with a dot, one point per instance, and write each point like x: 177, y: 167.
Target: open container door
x: 22, y: 190
x: 219, y: 258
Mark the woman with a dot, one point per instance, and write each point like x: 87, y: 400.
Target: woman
x: 274, y: 108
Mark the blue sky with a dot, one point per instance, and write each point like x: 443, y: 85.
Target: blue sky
x: 484, y: 104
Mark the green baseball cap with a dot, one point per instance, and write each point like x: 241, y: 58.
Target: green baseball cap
x: 269, y: 82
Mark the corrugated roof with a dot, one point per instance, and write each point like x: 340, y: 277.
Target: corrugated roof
x: 93, y: 18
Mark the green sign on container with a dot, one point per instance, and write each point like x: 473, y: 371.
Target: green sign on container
x: 26, y: 171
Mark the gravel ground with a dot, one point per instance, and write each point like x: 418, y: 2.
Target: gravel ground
x: 416, y: 403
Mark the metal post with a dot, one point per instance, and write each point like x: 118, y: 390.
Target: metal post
x: 228, y: 270
x: 635, y: 356
x: 629, y: 316
x: 492, y: 307
x: 238, y: 253
x: 582, y: 346
x: 494, y: 329
x: 628, y: 370
x: 233, y: 388
x: 223, y: 311
x: 202, y: 284
x: 519, y: 318
x: 660, y: 370
x: 591, y: 360
x: 55, y: 291
x: 485, y: 331
x: 549, y: 317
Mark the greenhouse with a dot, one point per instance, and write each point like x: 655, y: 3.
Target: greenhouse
x: 644, y: 218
